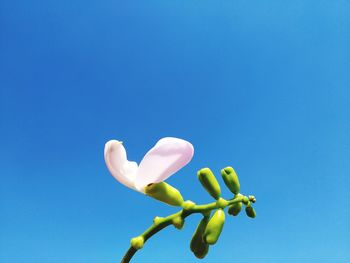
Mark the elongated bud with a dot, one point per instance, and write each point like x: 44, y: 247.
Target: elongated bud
x: 231, y: 179
x: 198, y: 246
x: 235, y: 209
x: 213, y: 230
x: 209, y: 182
x: 165, y: 193
x: 249, y: 210
x: 137, y: 242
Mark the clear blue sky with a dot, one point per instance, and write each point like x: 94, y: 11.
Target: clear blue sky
x: 263, y: 86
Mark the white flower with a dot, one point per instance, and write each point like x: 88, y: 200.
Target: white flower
x: 167, y: 157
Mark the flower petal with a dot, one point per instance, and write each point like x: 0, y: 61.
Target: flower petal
x: 167, y: 157
x: 118, y: 165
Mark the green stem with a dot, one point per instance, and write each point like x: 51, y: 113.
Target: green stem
x: 166, y: 221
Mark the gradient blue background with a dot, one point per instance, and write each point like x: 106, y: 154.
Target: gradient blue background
x: 263, y: 86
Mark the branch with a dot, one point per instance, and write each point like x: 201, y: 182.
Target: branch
x: 176, y: 219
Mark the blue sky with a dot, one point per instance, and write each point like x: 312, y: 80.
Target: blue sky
x: 263, y: 86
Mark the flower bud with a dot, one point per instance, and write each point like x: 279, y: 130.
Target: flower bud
x: 209, y: 182
x: 231, y: 179
x: 249, y: 210
x: 252, y: 198
x: 198, y: 246
x: 235, y: 209
x: 165, y: 193
x: 178, y: 222
x: 137, y: 242
x: 213, y: 230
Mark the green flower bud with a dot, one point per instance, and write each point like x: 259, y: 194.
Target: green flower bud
x: 249, y: 210
x: 231, y: 179
x: 137, y: 242
x: 209, y: 182
x: 252, y: 198
x: 165, y: 193
x: 235, y: 209
x: 213, y: 230
x: 198, y: 246
x: 178, y: 222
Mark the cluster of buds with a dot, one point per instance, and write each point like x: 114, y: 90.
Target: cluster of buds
x: 210, y: 227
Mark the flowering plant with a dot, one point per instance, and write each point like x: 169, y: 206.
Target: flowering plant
x: 167, y: 157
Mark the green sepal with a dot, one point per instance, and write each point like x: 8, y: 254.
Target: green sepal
x: 209, y: 182
x: 197, y: 245
x: 231, y: 179
x: 235, y: 209
x: 213, y: 230
x: 165, y: 193
x: 249, y: 210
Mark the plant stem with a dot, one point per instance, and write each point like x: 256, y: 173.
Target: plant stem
x: 166, y: 221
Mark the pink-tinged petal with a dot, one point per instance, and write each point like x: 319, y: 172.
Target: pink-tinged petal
x: 118, y: 165
x: 167, y: 157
